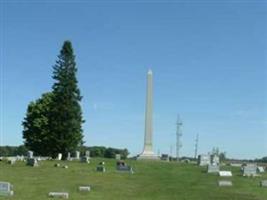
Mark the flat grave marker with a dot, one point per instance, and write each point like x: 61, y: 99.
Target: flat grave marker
x: 263, y: 183
x: 223, y: 183
x: 85, y: 188
x: 225, y: 173
x: 63, y: 195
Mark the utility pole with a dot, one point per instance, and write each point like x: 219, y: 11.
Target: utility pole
x: 196, y: 146
x: 178, y: 137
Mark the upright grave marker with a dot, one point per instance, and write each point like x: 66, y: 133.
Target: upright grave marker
x: 6, y: 189
x: 213, y: 168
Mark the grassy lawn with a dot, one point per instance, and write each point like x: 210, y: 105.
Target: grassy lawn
x: 151, y: 180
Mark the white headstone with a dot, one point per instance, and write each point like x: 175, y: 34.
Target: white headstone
x: 261, y: 169
x: 59, y: 156
x: 69, y: 156
x: 77, y: 155
x: 213, y: 168
x: 215, y: 160
x: 225, y: 183
x: 30, y: 154
x: 87, y: 153
x: 225, y: 173
x: 204, y: 160
x: 118, y: 156
x: 84, y: 188
x: 250, y: 170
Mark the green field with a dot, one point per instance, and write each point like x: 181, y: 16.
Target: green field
x: 151, y: 180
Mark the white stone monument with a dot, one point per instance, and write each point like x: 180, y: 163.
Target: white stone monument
x: 59, y: 156
x: 148, y: 146
x: 77, y: 155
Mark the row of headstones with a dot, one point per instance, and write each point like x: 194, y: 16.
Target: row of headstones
x: 6, y: 189
x: 263, y: 183
x: 120, y: 166
x: 248, y: 169
x: 31, y: 161
x: 206, y: 159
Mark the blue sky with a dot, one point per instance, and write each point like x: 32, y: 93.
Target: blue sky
x: 208, y: 59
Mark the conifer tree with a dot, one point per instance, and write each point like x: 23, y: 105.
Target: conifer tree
x: 65, y: 118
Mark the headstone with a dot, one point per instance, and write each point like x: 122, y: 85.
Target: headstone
x: 77, y: 155
x: 30, y: 154
x: 11, y: 161
x: 84, y: 188
x: 263, y: 183
x: 250, y: 170
x: 6, y: 189
x: 260, y: 169
x: 118, y: 156
x: 122, y: 166
x: 225, y: 183
x: 225, y: 173
x: 100, y: 168
x: 59, y: 156
x: 204, y: 160
x: 57, y: 165
x: 165, y: 157
x: 87, y: 153
x: 65, y: 166
x: 85, y: 159
x: 69, y: 156
x: 32, y: 162
x: 215, y: 160
x: 185, y: 160
x: 19, y: 158
x: 63, y: 195
x: 213, y: 168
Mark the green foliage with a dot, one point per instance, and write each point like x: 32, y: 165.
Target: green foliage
x: 100, y: 151
x: 53, y: 123
x: 36, y: 131
x: 13, y: 150
x: 66, y: 114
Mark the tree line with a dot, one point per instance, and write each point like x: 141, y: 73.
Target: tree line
x: 95, y: 151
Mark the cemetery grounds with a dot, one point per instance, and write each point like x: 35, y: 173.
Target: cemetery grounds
x: 151, y: 180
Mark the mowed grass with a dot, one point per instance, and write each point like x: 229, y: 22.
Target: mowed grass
x: 151, y: 180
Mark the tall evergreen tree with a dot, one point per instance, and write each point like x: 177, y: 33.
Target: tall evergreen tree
x: 66, y: 114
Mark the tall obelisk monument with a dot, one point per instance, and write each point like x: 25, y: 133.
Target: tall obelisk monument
x: 148, y: 143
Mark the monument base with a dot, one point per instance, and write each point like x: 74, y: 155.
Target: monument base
x: 147, y: 156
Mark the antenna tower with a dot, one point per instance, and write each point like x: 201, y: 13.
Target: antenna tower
x: 178, y: 137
